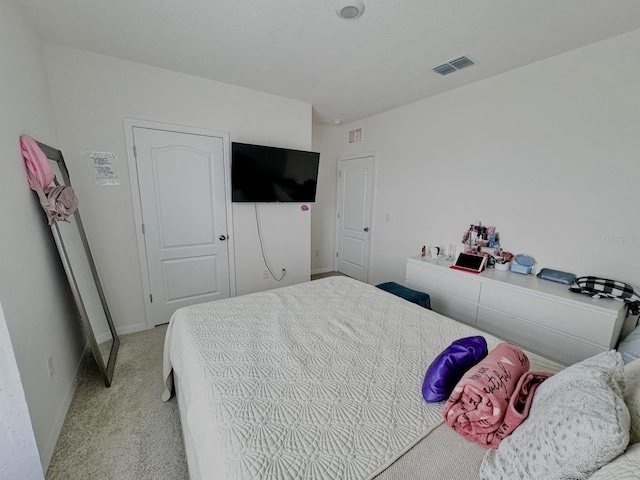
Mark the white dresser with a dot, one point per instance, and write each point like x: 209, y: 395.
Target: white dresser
x: 539, y: 315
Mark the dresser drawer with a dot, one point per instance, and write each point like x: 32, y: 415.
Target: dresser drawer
x: 448, y: 305
x: 455, y: 308
x: 444, y: 280
x: 560, y: 347
x: 586, y: 324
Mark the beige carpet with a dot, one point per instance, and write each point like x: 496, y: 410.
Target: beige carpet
x: 126, y: 431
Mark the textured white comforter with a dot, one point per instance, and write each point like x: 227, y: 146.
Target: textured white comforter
x: 320, y: 380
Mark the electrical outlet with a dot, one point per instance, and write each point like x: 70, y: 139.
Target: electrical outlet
x: 265, y: 275
x: 50, y: 367
x: 317, y: 253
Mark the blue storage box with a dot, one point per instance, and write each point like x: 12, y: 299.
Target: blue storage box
x: 522, y: 264
x: 413, y: 296
x: 525, y: 270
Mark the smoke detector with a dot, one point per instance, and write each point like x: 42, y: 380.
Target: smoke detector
x: 350, y: 10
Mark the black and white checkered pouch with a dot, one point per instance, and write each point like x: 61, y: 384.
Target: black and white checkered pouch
x: 603, y: 288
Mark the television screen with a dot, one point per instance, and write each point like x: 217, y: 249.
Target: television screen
x: 270, y: 174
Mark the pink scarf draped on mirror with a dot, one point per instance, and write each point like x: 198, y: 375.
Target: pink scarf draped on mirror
x: 59, y: 202
x: 36, y: 162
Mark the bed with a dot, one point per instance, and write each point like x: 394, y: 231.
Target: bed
x: 320, y: 380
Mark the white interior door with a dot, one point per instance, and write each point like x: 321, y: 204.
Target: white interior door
x: 355, y: 184
x: 181, y: 179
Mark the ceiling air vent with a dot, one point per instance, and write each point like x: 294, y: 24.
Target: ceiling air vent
x: 462, y: 62
x: 445, y: 69
x: 454, y: 65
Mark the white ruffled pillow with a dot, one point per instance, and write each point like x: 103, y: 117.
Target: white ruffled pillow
x: 578, y: 422
x: 632, y: 398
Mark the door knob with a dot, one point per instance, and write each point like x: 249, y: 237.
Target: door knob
x: 222, y: 238
x: 366, y: 229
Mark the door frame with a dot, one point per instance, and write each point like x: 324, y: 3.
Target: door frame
x: 129, y: 125
x: 373, y: 203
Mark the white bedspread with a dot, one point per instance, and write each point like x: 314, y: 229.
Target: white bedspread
x: 320, y: 380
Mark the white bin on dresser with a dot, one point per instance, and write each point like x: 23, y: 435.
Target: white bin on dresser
x: 540, y: 316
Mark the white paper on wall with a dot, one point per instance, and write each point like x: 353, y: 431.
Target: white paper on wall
x: 102, y: 167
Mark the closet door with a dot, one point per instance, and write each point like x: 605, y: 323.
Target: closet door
x: 181, y: 180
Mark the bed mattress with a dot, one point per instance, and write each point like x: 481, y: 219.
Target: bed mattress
x: 317, y: 380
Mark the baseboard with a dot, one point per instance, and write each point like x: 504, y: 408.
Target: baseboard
x: 50, y: 447
x: 322, y: 270
x: 135, y: 328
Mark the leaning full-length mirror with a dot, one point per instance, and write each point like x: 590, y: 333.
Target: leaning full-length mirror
x: 83, y: 278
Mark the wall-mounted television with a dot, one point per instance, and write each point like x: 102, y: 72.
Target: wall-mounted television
x: 271, y: 174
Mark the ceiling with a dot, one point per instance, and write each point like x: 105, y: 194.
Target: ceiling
x: 346, y: 69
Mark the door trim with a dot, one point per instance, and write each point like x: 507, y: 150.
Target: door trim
x: 373, y: 205
x: 129, y: 125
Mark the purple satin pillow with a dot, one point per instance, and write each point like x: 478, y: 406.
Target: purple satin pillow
x: 450, y: 366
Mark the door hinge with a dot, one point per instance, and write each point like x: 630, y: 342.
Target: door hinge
x: 144, y: 232
x: 336, y: 254
x: 339, y: 173
x: 135, y: 152
x: 150, y: 298
x: 338, y: 214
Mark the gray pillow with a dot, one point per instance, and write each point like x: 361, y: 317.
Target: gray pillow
x: 629, y: 348
x: 578, y: 422
x: 632, y: 398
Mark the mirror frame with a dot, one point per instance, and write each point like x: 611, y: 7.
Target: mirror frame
x: 106, y: 371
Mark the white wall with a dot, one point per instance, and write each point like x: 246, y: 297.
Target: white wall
x: 549, y: 153
x: 19, y: 453
x: 323, y: 223
x: 92, y: 94
x: 37, y: 302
